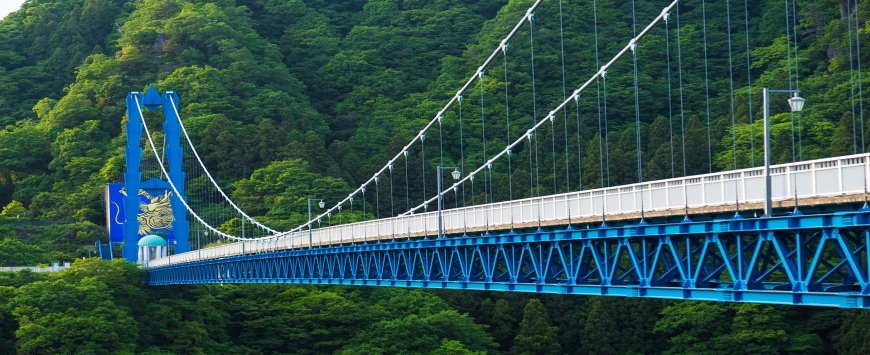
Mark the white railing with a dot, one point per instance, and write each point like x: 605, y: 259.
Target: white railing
x: 33, y: 268
x: 828, y: 177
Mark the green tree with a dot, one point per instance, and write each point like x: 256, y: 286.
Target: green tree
x: 78, y: 153
x: 450, y: 324
x: 593, y: 175
x: 851, y: 337
x: 536, y: 335
x: 282, y: 189
x: 15, y: 253
x: 307, y: 322
x: 410, y: 334
x: 60, y: 317
x: 503, y: 324
x: 600, y: 328
x: 124, y: 281
x: 8, y: 325
x: 758, y: 329
x: 695, y: 327
x: 24, y: 153
x: 842, y: 142
x: 14, y: 209
x: 453, y: 347
x: 71, y: 111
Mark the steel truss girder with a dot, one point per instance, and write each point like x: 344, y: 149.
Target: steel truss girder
x: 801, y: 260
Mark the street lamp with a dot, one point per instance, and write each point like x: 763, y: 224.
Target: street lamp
x: 797, y: 105
x: 319, y: 203
x: 200, y: 232
x: 456, y: 174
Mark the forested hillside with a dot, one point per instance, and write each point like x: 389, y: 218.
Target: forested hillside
x: 326, y: 91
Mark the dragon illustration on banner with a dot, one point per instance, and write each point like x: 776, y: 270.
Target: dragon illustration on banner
x: 155, y: 213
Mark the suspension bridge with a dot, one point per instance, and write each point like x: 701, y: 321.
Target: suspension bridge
x: 794, y: 233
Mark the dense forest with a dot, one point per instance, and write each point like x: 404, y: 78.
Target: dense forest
x: 326, y: 91
x: 101, y: 307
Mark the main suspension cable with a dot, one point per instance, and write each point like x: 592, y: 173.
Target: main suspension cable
x: 210, y: 178
x: 446, y: 107
x: 172, y: 184
x: 560, y: 106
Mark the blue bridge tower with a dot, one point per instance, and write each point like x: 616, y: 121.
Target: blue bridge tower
x: 133, y: 183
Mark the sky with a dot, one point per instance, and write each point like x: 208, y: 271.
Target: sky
x: 9, y: 6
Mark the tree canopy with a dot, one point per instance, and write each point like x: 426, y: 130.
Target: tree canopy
x: 288, y: 100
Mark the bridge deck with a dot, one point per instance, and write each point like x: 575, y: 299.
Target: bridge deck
x: 853, y: 201
x: 817, y: 259
x: 822, y: 182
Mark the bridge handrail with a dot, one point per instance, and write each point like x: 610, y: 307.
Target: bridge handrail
x: 813, y: 178
x: 32, y: 268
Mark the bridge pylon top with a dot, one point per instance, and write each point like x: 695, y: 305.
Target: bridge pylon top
x: 152, y: 99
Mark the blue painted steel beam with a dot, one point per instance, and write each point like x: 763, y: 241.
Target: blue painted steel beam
x: 132, y: 176
x: 174, y: 153
x: 152, y: 100
x: 818, y: 260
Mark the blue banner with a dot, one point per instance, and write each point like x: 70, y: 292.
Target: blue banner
x: 154, y: 215
x: 115, y: 212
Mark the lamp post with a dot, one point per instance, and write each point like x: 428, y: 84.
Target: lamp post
x: 797, y: 105
x: 200, y: 232
x: 319, y: 203
x: 456, y: 174
x: 198, y: 244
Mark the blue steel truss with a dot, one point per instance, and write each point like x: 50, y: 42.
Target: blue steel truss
x: 799, y: 259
